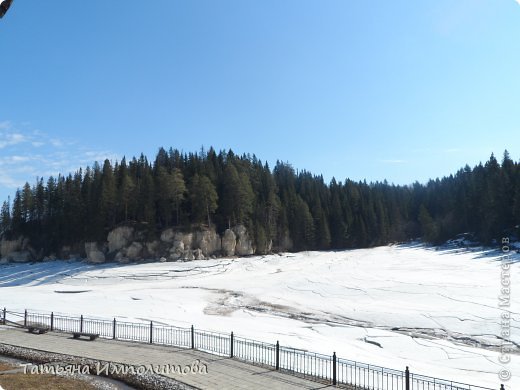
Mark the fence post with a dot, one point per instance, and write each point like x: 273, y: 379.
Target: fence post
x: 407, y: 378
x: 52, y: 321
x: 151, y: 332
x: 277, y: 355
x: 192, y: 337
x: 3, y: 317
x: 334, y: 381
x: 114, y: 330
x: 81, y: 324
x: 25, y: 319
x: 231, y: 349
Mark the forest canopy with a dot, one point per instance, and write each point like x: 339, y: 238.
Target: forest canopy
x: 222, y: 189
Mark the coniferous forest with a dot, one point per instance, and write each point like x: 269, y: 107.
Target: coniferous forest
x: 276, y: 204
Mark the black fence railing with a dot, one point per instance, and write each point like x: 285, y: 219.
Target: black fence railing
x: 310, y: 365
x: 369, y: 376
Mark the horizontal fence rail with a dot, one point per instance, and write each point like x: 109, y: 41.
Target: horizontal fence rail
x: 314, y: 366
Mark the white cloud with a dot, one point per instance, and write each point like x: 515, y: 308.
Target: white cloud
x: 27, y: 154
x: 9, y: 139
x: 9, y: 182
x: 57, y: 142
x: 88, y: 157
x: 9, y: 160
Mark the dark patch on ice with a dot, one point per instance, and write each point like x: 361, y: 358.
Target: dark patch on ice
x: 229, y: 301
x: 71, y: 291
x: 372, y: 342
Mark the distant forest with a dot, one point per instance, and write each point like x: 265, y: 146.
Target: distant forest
x: 279, y: 204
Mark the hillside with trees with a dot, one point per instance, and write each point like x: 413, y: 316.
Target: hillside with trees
x: 281, y: 204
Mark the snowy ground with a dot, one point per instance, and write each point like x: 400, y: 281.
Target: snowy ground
x: 433, y: 310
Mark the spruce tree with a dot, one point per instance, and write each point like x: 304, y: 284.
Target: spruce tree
x: 203, y: 198
x: 5, y: 217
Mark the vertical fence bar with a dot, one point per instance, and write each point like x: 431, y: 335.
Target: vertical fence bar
x: 151, y: 332
x: 407, y: 378
x: 25, y: 319
x: 3, y: 316
x: 334, y: 382
x: 52, y: 321
x: 114, y: 330
x: 277, y: 355
x: 231, y: 346
x: 81, y: 324
x: 192, y: 337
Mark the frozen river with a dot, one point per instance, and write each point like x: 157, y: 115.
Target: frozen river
x: 436, y: 311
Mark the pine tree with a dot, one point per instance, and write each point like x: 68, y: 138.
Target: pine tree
x: 164, y: 194
x: 17, y: 220
x: 27, y: 203
x: 203, y: 198
x: 108, y: 197
x: 179, y: 191
x: 5, y: 217
x: 429, y: 229
x: 237, y: 200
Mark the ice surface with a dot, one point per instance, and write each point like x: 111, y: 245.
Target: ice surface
x: 435, y: 310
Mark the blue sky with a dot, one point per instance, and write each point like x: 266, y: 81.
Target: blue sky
x: 396, y: 90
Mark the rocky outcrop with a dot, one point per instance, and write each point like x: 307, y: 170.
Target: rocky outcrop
x: 94, y: 253
x: 119, y: 238
x: 187, y: 239
x: 51, y: 258
x: 19, y: 257
x: 265, y: 248
x: 198, y: 254
x: 154, y: 250
x: 229, y: 243
x: 134, y: 252
x: 244, y: 246
x: 177, y: 250
x: 188, y: 255
x: 208, y: 241
x: 17, y: 251
x: 9, y: 246
x: 168, y: 235
x: 125, y: 244
x: 121, y: 258
x: 67, y: 252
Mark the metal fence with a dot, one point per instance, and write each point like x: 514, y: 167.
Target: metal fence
x: 327, y: 369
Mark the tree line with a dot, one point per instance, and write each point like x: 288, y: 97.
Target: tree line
x: 288, y: 208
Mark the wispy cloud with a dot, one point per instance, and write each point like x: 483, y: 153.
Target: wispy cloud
x: 10, y: 139
x: 26, y: 154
